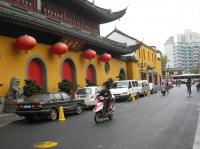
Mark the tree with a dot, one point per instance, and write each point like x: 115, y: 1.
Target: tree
x: 195, y: 70
x: 89, y: 83
x: 65, y: 86
x: 31, y: 88
x: 164, y: 61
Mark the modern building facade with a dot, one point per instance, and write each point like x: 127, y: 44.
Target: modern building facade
x: 169, y: 51
x: 186, y: 51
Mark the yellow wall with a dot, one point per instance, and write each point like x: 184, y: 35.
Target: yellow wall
x: 14, y: 62
x: 146, y: 56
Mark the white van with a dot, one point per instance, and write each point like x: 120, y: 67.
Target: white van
x: 143, y: 87
x: 124, y: 90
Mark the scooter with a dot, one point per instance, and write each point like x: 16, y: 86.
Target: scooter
x: 163, y: 91
x: 100, y: 114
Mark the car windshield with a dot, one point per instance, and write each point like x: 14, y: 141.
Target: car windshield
x: 120, y: 85
x: 84, y: 91
x: 38, y: 98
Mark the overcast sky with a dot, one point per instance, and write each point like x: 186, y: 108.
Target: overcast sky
x: 153, y: 21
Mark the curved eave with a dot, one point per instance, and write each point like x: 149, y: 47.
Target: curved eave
x: 102, y: 15
x: 40, y: 22
x: 113, y: 16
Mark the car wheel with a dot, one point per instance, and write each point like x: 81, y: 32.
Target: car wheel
x: 78, y: 109
x: 53, y: 115
x: 129, y: 97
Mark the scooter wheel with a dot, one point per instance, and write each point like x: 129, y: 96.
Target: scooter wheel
x: 96, y: 119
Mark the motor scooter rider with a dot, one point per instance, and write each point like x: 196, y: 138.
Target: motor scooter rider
x: 107, y: 97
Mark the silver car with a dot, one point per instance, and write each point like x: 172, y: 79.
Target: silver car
x: 88, y: 94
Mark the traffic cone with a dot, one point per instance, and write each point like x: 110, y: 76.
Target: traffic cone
x: 61, y: 114
x: 148, y: 94
x: 133, y: 98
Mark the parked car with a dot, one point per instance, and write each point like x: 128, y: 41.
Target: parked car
x: 143, y: 87
x: 153, y: 88
x: 123, y: 90
x: 88, y: 94
x: 47, y: 105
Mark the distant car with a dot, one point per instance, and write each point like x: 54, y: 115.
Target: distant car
x: 47, y: 105
x: 153, y: 88
x: 143, y: 87
x: 88, y: 94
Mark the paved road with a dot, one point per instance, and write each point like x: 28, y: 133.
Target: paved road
x: 155, y: 122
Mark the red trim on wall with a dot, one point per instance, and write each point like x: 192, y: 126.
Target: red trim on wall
x: 67, y: 71
x: 90, y: 74
x: 35, y: 72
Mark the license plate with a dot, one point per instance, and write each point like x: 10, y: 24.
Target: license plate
x: 27, y: 106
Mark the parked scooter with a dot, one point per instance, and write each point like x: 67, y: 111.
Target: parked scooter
x: 163, y: 91
x: 100, y: 113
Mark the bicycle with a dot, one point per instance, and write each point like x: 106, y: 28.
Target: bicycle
x: 189, y: 91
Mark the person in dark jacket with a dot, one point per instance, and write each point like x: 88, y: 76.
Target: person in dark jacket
x: 107, y: 97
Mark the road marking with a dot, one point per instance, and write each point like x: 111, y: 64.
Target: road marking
x: 196, y: 144
x: 45, y: 144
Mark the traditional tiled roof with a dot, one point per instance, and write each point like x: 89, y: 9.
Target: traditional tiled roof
x: 102, y: 15
x: 42, y: 23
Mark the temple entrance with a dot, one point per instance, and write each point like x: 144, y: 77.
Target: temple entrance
x: 91, y: 74
x: 68, y: 72
x: 122, y: 74
x: 37, y: 72
x: 150, y: 78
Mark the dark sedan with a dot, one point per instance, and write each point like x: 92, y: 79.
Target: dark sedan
x: 47, y: 105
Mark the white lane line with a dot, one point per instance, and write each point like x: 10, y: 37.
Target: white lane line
x: 196, y: 144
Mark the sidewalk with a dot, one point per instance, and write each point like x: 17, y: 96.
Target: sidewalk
x: 6, y: 118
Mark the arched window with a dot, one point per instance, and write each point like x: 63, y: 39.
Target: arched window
x: 37, y: 72
x: 69, y: 72
x: 91, y: 74
x: 122, y: 74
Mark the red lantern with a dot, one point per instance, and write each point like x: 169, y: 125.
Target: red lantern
x: 105, y: 57
x: 89, y: 54
x: 25, y: 42
x: 59, y: 48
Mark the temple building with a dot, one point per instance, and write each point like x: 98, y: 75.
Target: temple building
x: 144, y: 63
x: 48, y: 41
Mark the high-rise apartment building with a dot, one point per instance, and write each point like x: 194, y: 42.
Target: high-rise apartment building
x: 168, y: 47
x: 186, y: 51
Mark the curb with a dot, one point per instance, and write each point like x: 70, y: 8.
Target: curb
x: 9, y: 118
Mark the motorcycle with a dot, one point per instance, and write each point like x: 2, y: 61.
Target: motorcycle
x: 163, y: 91
x: 99, y: 111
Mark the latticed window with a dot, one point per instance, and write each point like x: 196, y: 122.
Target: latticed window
x: 28, y: 4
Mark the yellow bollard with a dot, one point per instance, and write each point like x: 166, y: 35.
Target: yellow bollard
x: 61, y: 114
x: 148, y: 94
x: 133, y: 98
